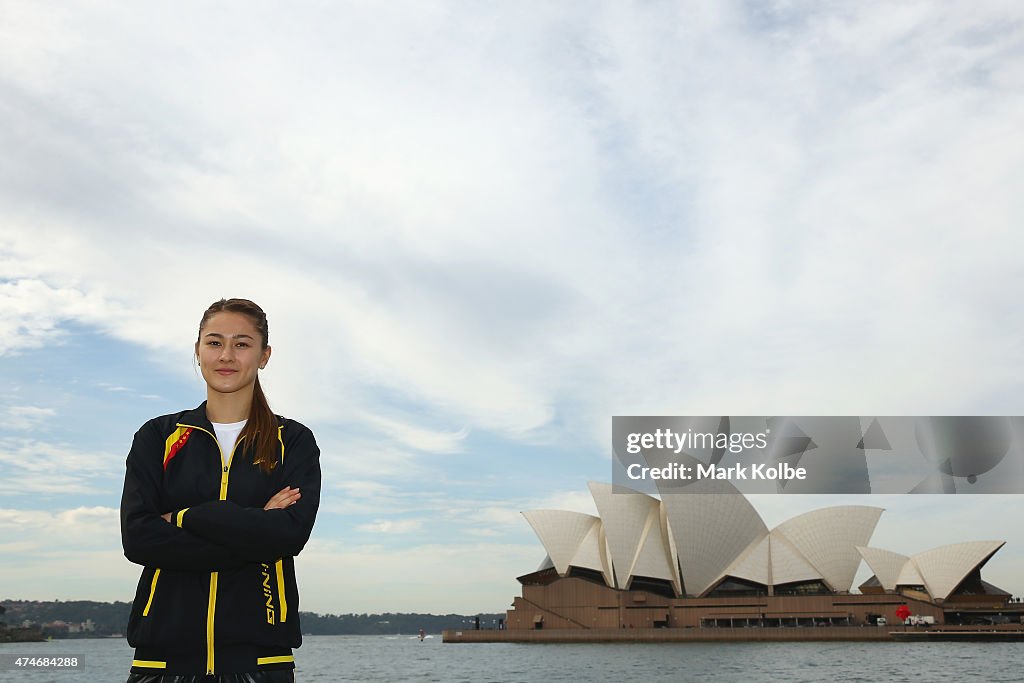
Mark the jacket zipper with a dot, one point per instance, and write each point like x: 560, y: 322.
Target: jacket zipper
x: 279, y: 565
x: 212, y: 605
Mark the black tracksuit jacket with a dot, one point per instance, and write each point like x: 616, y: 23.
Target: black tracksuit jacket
x: 218, y: 592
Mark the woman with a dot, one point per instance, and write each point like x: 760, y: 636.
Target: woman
x: 217, y: 501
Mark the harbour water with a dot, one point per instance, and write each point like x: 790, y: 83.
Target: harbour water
x: 404, y: 658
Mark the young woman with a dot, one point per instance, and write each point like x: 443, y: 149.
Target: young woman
x: 217, y: 501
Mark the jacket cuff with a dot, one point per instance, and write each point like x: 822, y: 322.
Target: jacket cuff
x: 179, y: 517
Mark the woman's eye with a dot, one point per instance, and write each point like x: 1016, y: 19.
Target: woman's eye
x: 242, y: 345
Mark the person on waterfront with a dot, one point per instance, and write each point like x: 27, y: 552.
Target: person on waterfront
x: 217, y: 502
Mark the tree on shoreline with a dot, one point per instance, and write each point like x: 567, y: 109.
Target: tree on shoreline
x: 56, y: 619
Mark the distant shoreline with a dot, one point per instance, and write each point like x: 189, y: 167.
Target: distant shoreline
x: 20, y: 635
x: 72, y: 619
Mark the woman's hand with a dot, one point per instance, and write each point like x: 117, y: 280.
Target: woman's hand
x: 283, y: 498
x: 166, y: 516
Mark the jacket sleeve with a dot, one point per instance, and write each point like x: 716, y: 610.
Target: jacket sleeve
x: 149, y: 540
x: 257, y: 534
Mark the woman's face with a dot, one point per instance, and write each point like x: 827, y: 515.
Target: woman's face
x: 229, y: 352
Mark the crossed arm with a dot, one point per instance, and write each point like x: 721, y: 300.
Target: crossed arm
x: 216, y: 535
x: 279, y: 501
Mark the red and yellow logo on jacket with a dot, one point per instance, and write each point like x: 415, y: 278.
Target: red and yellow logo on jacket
x: 174, y: 443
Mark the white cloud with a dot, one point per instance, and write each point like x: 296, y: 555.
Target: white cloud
x: 31, y: 311
x: 643, y: 198
x: 62, y: 532
x: 30, y: 466
x: 65, y: 554
x: 414, y: 436
x: 106, y: 386
x: 23, y: 418
x: 576, y: 501
x: 520, y: 222
x: 352, y: 579
x: 391, y: 526
x: 364, y: 489
x: 348, y: 458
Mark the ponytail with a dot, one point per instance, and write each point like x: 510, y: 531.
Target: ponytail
x: 261, y: 430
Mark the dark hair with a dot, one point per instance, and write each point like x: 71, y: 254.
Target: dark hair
x: 261, y: 426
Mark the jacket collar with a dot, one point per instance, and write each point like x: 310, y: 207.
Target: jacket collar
x: 197, y: 418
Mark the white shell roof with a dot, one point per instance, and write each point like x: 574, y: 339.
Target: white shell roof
x: 828, y: 539
x: 589, y: 555
x: 562, y: 532
x: 752, y: 564
x: 720, y: 534
x: 788, y: 565
x: 909, y: 576
x: 885, y: 564
x: 652, y: 560
x: 710, y: 530
x: 772, y: 560
x: 625, y: 518
x: 943, y: 568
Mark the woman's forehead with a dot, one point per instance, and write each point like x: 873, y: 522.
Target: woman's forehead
x: 230, y: 324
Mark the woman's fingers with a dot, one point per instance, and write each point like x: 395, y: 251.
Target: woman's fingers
x: 279, y: 500
x: 283, y: 498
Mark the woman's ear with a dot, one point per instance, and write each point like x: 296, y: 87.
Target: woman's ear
x: 266, y: 357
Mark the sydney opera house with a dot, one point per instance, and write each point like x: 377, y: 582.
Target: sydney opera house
x: 708, y: 561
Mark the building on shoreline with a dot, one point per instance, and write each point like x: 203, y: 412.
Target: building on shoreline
x: 707, y: 560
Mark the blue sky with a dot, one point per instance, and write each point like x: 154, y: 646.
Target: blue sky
x: 481, y: 231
